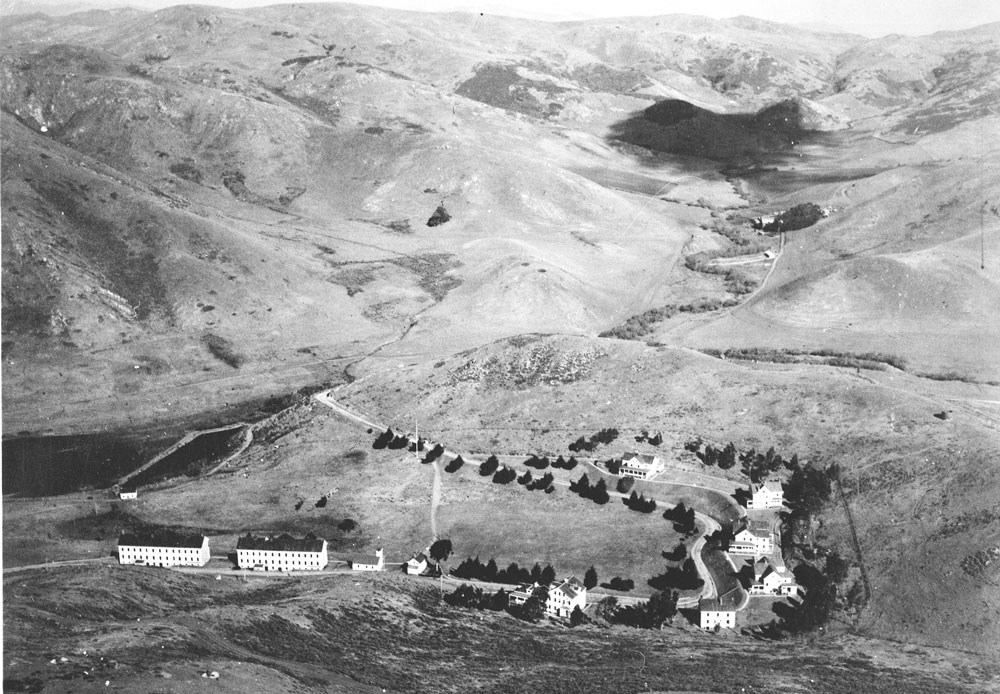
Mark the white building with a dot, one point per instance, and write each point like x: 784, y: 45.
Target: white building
x: 416, y: 564
x: 769, y: 494
x: 163, y: 548
x: 375, y: 562
x: 125, y: 496
x: 281, y: 553
x: 641, y: 466
x: 772, y: 580
x: 520, y: 595
x: 566, y: 596
x: 561, y: 597
x: 714, y: 613
x: 756, y: 539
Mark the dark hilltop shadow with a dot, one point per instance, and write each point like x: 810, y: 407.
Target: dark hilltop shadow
x: 674, y: 126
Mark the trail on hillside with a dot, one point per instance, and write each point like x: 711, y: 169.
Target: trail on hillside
x: 435, y: 499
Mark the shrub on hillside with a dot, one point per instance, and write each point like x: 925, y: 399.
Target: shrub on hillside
x: 798, y: 217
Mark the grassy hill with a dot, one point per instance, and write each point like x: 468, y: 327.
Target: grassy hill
x: 205, y: 210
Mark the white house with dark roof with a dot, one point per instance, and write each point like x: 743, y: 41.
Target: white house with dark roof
x: 128, y: 495
x: 281, y: 553
x: 754, y: 539
x: 163, y: 548
x: 417, y: 564
x: 767, y: 494
x: 370, y: 562
x: 770, y: 579
x: 566, y: 596
x: 641, y: 466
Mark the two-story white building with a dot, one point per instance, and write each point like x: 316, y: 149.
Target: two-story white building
x: 641, y: 466
x: 163, y: 548
x: 369, y: 562
x: 566, y: 596
x: 281, y: 553
x: 755, y: 539
x: 770, y: 579
x: 713, y: 613
x: 767, y: 494
x: 561, y: 597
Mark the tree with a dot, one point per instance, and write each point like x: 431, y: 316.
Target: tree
x: 581, y: 486
x: 614, y: 465
x: 384, y: 439
x: 836, y: 567
x: 661, y: 607
x: 532, y: 610
x: 490, y: 571
x: 347, y: 525
x: 727, y: 458
x: 656, y: 440
x: 599, y: 494
x: 548, y: 575
x: 607, y: 608
x: 456, y: 463
x: 625, y: 484
x: 536, y: 573
x: 525, y: 478
x: 505, y: 475
x: 441, y: 550
x: 499, y: 601
x: 489, y: 466
x: 577, y: 617
x: 590, y: 578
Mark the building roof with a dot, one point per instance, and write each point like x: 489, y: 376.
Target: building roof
x: 639, y: 458
x: 419, y: 558
x: 281, y: 543
x: 571, y: 587
x: 771, y: 484
x: 727, y: 602
x: 372, y: 559
x: 161, y: 537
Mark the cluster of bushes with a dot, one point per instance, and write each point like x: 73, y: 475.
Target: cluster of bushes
x: 678, y: 553
x: 654, y: 440
x: 684, y: 577
x: 473, y: 568
x: 504, y: 475
x: 489, y: 466
x: 798, y: 217
x: 604, y: 436
x: 638, y: 502
x: 223, y: 350
x: 559, y: 463
x: 737, y: 281
x: 433, y: 454
x: 473, y: 597
x: 597, y: 493
x: 537, y: 463
x: 682, y: 517
x: 873, y: 361
x: 543, y: 483
x: 644, y: 323
x: 756, y: 466
x: 619, y: 583
x: 652, y: 614
x: 389, y: 439
x: 456, y: 463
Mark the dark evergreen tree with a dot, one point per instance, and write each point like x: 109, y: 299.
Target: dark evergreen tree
x: 590, y: 578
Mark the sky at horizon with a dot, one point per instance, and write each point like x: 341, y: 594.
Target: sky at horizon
x: 866, y: 17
